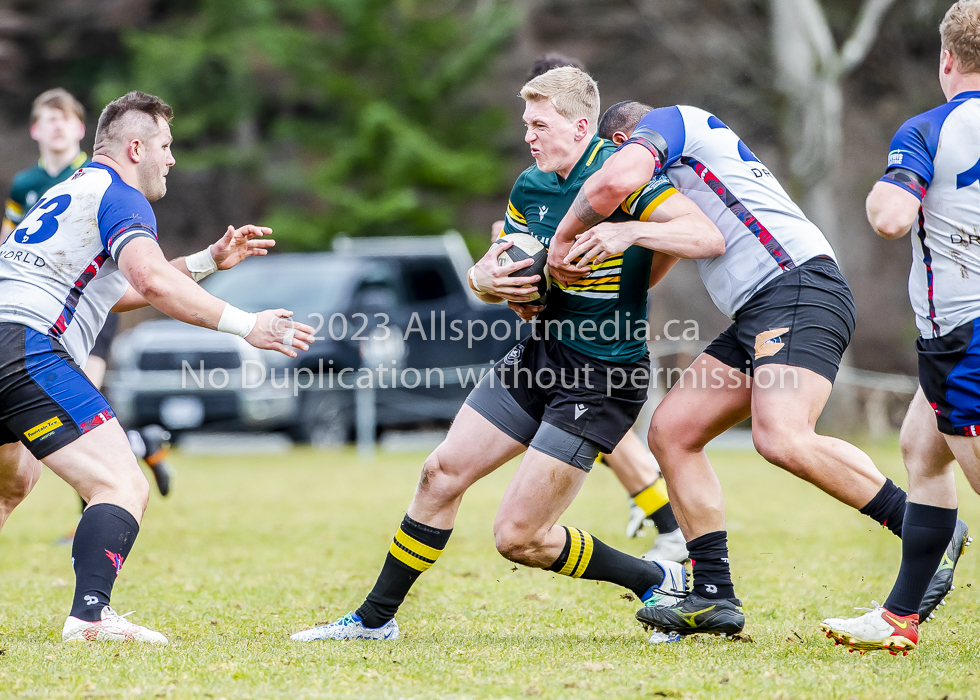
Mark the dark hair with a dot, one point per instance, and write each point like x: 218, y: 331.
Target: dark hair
x: 134, y: 101
x: 546, y: 61
x: 622, y: 116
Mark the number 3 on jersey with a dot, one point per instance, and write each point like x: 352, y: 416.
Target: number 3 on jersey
x: 45, y: 220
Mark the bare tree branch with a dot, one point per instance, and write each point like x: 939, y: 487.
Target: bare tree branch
x: 856, y: 48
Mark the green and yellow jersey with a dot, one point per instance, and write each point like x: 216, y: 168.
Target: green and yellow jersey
x: 31, y: 184
x: 604, y: 314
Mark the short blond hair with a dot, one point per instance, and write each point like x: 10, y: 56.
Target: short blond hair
x: 57, y: 98
x: 572, y: 92
x: 960, y: 32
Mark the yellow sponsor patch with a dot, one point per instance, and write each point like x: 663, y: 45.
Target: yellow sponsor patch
x: 42, y: 429
x: 768, y: 343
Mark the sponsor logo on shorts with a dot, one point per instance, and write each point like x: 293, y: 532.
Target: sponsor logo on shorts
x: 514, y: 356
x: 44, y: 429
x: 580, y: 408
x: 768, y: 343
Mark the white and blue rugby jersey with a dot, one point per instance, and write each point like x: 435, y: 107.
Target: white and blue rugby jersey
x: 936, y: 157
x: 66, y: 247
x: 765, y: 233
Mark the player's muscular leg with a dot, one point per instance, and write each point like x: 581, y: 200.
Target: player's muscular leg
x: 19, y: 471
x: 101, y: 467
x: 542, y: 489
x: 632, y: 464
x: 687, y: 419
x: 473, y: 448
x: 786, y: 402
x: 928, y: 459
x: 967, y: 451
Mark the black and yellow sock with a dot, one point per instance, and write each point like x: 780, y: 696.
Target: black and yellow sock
x: 414, y: 549
x: 654, y: 502
x: 586, y: 557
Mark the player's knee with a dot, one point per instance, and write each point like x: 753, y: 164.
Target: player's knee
x: 514, y: 543
x: 778, y: 447
x: 668, y: 434
x: 15, y: 489
x: 436, y: 483
x: 128, y: 488
x: 914, y: 452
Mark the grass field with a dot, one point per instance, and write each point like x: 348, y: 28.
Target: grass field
x: 250, y: 549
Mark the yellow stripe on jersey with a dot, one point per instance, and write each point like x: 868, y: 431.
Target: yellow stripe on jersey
x: 645, y: 216
x: 595, y: 281
x: 14, y: 213
x: 514, y: 214
x: 627, y: 205
x: 413, y: 553
x: 614, y: 261
x: 594, y: 152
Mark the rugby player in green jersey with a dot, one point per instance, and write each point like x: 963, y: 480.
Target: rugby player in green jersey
x: 58, y: 126
x: 568, y: 392
x: 632, y: 462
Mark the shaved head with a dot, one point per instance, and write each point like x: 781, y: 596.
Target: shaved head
x: 622, y: 117
x: 135, y: 115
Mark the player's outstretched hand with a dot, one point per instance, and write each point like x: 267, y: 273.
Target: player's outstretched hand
x: 240, y: 243
x: 274, y: 331
x: 493, y: 279
x: 527, y: 312
x: 598, y: 244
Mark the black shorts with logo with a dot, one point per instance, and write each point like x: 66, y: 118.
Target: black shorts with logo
x: 551, y: 383
x: 949, y: 374
x: 46, y: 401
x: 803, y: 318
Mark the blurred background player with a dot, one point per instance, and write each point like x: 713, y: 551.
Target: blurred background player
x: 930, y: 188
x: 632, y: 462
x: 58, y: 127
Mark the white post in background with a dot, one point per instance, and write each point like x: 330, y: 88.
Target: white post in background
x: 366, y: 416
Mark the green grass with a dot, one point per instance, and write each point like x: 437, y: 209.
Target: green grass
x: 250, y: 549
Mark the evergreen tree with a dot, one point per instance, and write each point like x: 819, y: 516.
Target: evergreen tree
x: 361, y: 116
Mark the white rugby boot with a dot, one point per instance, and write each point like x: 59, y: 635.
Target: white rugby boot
x: 113, y: 627
x: 349, y: 627
x: 878, y: 628
x: 638, y: 519
x: 668, y: 547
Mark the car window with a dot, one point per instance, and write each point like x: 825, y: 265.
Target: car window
x: 301, y: 284
x: 426, y: 282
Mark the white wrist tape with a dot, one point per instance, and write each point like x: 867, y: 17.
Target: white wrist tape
x: 476, y: 287
x: 201, y: 264
x: 235, y: 321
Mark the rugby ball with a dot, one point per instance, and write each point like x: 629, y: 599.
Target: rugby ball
x: 527, y: 246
